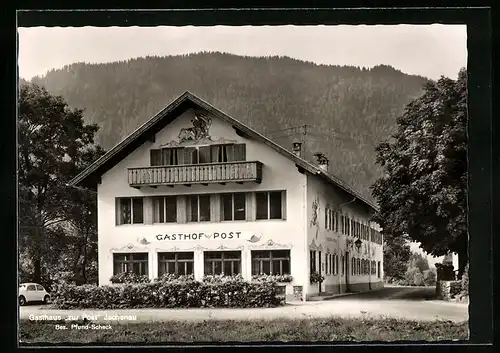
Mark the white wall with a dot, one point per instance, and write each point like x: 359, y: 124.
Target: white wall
x: 328, y: 195
x: 279, y: 173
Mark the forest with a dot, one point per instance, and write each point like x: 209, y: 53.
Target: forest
x: 341, y: 111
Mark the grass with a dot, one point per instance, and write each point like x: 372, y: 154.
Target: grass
x: 284, y: 330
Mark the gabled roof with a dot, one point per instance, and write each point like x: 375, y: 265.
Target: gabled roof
x: 91, y: 176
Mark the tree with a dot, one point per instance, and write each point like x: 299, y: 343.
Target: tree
x: 54, y: 145
x: 396, y: 256
x: 423, y: 191
x: 419, y: 261
x: 430, y: 277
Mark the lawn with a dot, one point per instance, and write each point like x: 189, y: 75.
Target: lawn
x: 334, y: 329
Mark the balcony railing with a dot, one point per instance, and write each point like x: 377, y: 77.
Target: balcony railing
x: 237, y: 172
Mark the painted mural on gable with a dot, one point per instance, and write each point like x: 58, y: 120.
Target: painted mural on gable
x: 198, y: 133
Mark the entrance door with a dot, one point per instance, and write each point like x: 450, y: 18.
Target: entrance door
x: 347, y: 270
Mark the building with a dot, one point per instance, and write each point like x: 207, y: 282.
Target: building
x: 195, y: 191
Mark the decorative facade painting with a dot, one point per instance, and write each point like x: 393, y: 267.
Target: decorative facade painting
x: 314, y: 216
x: 199, y: 131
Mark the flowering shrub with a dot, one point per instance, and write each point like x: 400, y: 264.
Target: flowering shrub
x: 272, y: 278
x: 129, y: 277
x: 163, y: 294
x: 222, y: 278
x: 315, y: 277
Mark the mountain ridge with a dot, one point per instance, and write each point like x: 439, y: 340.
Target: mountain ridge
x: 348, y: 110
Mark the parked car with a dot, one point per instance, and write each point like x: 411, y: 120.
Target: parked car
x: 32, y: 292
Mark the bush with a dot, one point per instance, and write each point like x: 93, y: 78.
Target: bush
x: 418, y: 279
x: 169, y: 277
x: 272, y: 278
x: 315, y: 277
x: 465, y: 282
x: 129, y: 277
x: 163, y: 294
x: 411, y: 275
x: 222, y: 278
x: 430, y: 277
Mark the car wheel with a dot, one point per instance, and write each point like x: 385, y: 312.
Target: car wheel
x: 22, y: 300
x: 46, y: 299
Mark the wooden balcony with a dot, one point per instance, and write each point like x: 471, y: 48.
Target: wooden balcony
x: 210, y: 173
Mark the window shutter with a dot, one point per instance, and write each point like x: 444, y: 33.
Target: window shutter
x: 166, y: 153
x: 215, y: 214
x: 250, y: 207
x: 180, y: 155
x: 155, y: 157
x: 181, y: 209
x: 239, y: 152
x: 189, y: 155
x: 117, y: 211
x: 230, y: 153
x: 148, y: 210
x: 204, y: 154
x: 283, y: 204
x: 215, y: 151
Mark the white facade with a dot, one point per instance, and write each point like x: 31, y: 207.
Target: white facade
x: 295, y: 232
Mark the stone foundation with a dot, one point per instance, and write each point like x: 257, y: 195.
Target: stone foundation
x: 448, y: 290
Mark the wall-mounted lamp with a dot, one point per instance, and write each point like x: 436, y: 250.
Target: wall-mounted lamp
x: 358, y: 243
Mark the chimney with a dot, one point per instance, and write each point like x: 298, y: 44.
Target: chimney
x: 322, y: 161
x: 297, y: 149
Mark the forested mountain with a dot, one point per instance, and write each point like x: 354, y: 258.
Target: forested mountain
x: 348, y: 110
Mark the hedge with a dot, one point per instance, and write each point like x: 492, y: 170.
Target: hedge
x: 168, y: 294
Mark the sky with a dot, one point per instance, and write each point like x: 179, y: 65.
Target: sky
x: 426, y: 50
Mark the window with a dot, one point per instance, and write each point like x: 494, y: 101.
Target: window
x: 39, y: 288
x: 336, y: 221
x: 233, y: 207
x: 312, y: 261
x: 168, y: 156
x: 130, y: 210
x: 343, y: 264
x: 378, y: 269
x: 31, y: 287
x: 135, y: 262
x: 179, y: 263
x: 275, y: 262
x: 359, y: 266
x: 336, y: 264
x: 326, y: 218
x: 198, y: 208
x: 269, y: 205
x: 327, y: 263
x: 164, y: 209
x: 222, y: 262
x: 353, y: 266
x: 201, y: 155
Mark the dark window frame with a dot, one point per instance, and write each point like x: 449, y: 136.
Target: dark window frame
x: 233, y: 206
x: 282, y: 196
x: 162, y: 216
x: 131, y: 217
x: 129, y: 261
x: 271, y: 259
x: 163, y: 263
x: 210, y: 263
x: 189, y: 208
